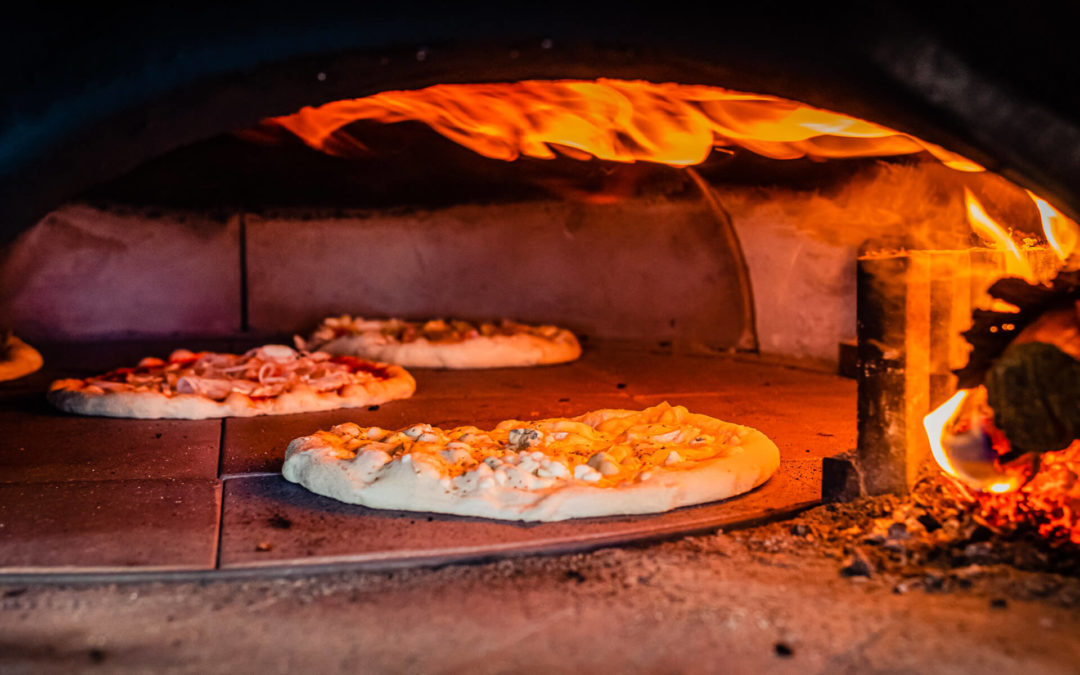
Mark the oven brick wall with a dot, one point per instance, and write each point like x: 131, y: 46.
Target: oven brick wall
x: 637, y: 270
x: 84, y: 273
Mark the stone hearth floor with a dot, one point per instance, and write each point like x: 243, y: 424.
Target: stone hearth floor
x: 90, y: 495
x: 754, y: 601
x: 781, y: 597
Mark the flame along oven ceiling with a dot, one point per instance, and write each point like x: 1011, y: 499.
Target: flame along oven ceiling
x: 153, y: 79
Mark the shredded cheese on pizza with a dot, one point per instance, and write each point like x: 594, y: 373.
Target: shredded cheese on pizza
x: 604, y: 448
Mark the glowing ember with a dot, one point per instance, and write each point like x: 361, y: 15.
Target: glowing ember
x: 1015, y: 264
x: 1050, y: 502
x: 617, y: 120
x: 1062, y: 233
x: 966, y: 445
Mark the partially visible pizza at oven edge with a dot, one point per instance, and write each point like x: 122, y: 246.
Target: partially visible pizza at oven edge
x: 602, y: 463
x: 444, y: 344
x: 16, y: 357
x: 268, y: 380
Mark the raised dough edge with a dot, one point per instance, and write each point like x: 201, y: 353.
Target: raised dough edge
x: 154, y: 405
x: 494, y: 351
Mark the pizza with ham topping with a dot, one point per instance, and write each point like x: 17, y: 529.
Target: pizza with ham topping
x: 444, y: 344
x: 604, y: 462
x: 268, y: 380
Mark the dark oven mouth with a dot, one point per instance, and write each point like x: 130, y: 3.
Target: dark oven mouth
x: 816, y: 292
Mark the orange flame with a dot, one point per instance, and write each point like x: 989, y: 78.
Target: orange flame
x: 988, y: 228
x: 935, y: 424
x: 977, y: 472
x: 617, y: 120
x: 1062, y: 233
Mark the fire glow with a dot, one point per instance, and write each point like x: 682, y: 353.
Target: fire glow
x: 631, y: 121
x: 1015, y: 263
x: 615, y: 120
x: 976, y: 469
x: 1049, y: 502
x: 1062, y: 233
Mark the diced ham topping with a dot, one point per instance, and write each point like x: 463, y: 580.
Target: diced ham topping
x: 260, y: 373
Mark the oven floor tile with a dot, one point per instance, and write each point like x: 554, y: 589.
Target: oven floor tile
x: 579, y: 377
x: 109, y: 526
x: 269, y: 521
x: 647, y: 373
x: 257, y: 444
x: 815, y: 423
x: 41, y: 444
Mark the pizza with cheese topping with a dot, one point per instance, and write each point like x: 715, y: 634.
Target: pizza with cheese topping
x: 268, y: 380
x: 601, y: 463
x: 444, y: 344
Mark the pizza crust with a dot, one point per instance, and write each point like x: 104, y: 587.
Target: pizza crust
x: 496, y: 351
x: 153, y: 405
x: 505, y: 345
x: 22, y: 359
x: 418, y: 483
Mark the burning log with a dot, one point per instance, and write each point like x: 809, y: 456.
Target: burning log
x: 1029, y: 361
x: 1024, y: 372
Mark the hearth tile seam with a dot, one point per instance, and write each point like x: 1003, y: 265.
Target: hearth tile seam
x: 221, y: 500
x: 221, y: 449
x: 251, y: 474
x: 220, y: 524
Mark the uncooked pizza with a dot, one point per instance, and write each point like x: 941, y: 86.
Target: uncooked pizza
x: 444, y: 344
x: 16, y: 357
x: 601, y: 463
x: 269, y: 380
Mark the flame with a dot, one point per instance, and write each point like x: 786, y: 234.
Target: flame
x: 935, y: 424
x: 970, y: 459
x: 616, y: 120
x: 988, y: 228
x: 1062, y: 233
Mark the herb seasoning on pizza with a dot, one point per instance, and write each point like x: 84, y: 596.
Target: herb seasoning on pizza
x: 444, y: 344
x: 269, y: 380
x: 605, y: 462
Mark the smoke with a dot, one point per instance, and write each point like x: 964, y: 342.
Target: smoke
x: 894, y: 205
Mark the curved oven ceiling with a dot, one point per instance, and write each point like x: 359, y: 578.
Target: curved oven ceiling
x: 93, y: 94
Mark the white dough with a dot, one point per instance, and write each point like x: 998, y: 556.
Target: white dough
x: 522, y: 486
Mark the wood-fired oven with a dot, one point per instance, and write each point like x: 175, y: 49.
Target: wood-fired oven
x: 150, y: 200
